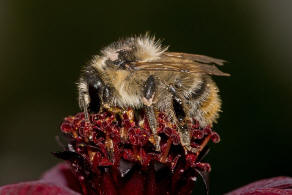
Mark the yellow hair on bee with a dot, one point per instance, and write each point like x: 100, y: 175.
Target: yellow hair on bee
x: 148, y: 49
x: 145, y: 48
x: 211, y: 106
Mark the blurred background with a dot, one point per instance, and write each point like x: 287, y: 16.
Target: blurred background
x: 44, y: 44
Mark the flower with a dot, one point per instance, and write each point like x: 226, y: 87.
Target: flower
x: 272, y: 186
x: 57, y: 181
x: 60, y: 181
x: 114, y: 153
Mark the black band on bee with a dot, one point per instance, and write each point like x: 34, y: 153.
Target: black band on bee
x: 149, y: 87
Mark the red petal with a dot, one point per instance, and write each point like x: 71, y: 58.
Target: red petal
x: 35, y: 188
x: 62, y: 175
x: 272, y: 186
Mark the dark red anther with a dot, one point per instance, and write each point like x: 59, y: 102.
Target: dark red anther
x: 104, y: 124
x: 144, y: 158
x: 206, y: 167
x: 138, y: 136
x: 174, y: 162
x: 127, y: 124
x: 96, y: 159
x: 191, y: 159
x: 125, y: 116
x: 115, y: 133
x: 129, y: 155
x: 175, y: 138
x: 98, y: 140
x: 195, y: 145
x: 93, y: 118
x: 197, y: 134
x: 87, y: 130
x: 105, y: 162
x: 215, y: 137
x: 161, y: 127
x: 196, y: 125
x: 67, y: 127
x: 161, y: 116
x: 167, y: 131
x: 98, y: 123
x: 207, y: 130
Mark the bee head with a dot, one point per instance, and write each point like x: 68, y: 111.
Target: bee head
x: 121, y: 59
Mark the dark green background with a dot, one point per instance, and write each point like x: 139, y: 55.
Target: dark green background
x: 43, y: 45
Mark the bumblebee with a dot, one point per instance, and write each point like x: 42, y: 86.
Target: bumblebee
x: 138, y: 72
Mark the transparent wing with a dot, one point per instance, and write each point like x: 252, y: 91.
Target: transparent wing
x: 182, y: 62
x: 195, y: 57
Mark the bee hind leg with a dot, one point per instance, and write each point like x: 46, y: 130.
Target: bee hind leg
x: 149, y: 91
x: 182, y: 122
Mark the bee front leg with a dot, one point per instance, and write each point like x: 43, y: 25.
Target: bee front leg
x: 84, y: 98
x: 90, y: 88
x: 149, y: 91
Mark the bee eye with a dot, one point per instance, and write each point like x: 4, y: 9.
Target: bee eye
x: 124, y: 57
x: 117, y: 64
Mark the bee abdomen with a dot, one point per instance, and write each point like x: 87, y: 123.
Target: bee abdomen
x: 210, y: 104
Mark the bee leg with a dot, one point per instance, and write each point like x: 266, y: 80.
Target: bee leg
x: 153, y: 126
x: 188, y: 119
x: 181, y: 118
x: 90, y: 87
x: 107, y: 96
x: 185, y: 139
x: 83, y: 105
x: 149, y: 91
x: 84, y: 98
x: 180, y: 121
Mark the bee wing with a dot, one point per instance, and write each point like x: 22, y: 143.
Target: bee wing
x: 212, y: 70
x: 195, y: 57
x: 160, y: 66
x: 188, y: 67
